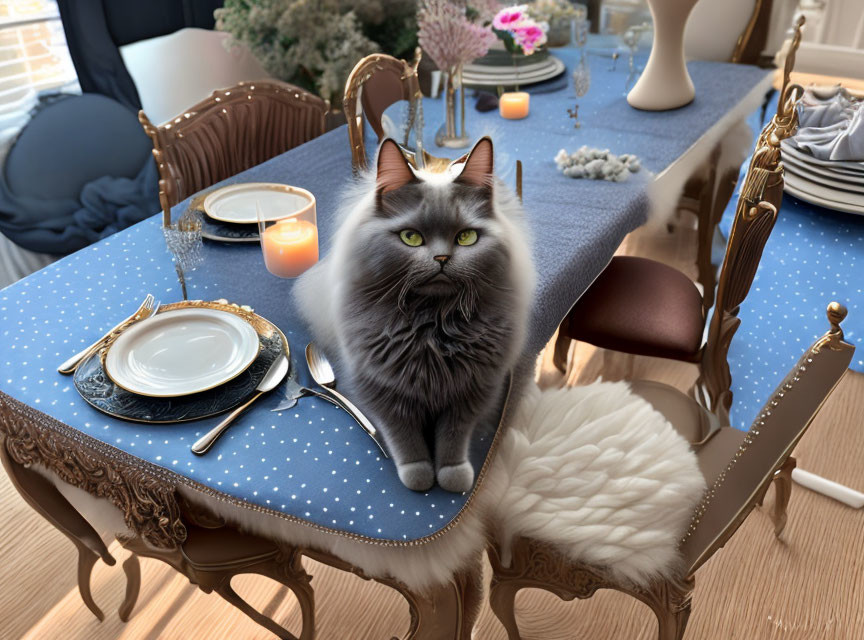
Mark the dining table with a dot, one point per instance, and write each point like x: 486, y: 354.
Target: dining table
x: 312, y: 467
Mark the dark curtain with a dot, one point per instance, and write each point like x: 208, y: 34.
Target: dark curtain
x: 95, y: 29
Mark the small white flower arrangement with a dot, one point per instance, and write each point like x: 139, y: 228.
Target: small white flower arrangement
x: 597, y: 164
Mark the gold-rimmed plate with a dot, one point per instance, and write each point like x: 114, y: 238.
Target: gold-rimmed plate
x: 99, y: 390
x: 238, y: 203
x: 181, y: 352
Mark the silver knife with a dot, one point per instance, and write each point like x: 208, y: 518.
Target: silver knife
x: 272, y: 378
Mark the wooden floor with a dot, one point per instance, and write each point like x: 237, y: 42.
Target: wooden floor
x: 807, y: 585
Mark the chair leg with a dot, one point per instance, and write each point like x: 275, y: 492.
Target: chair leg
x: 670, y: 602
x: 502, y: 600
x: 41, y: 494
x: 293, y: 575
x: 783, y: 492
x: 132, y: 569
x: 86, y: 560
x: 227, y: 592
x: 446, y: 612
x: 562, y: 352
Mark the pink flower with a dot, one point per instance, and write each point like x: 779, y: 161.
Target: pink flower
x: 526, y: 33
x: 510, y: 17
x: 529, y: 37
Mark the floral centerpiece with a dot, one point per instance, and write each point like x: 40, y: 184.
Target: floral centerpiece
x: 452, y: 35
x: 520, y: 33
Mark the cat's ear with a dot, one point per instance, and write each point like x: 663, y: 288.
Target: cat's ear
x: 393, y: 169
x: 478, y: 171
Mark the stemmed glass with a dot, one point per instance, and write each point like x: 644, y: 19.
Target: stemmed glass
x: 183, y: 239
x: 630, y: 38
x: 579, y: 27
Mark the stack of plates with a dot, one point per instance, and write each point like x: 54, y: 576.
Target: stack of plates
x: 191, y: 360
x: 833, y: 184
x: 505, y: 74
x: 230, y: 213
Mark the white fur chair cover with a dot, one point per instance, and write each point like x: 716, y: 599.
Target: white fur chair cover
x: 597, y: 472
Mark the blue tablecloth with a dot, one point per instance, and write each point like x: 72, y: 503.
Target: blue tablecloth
x: 814, y: 256
x: 313, y: 463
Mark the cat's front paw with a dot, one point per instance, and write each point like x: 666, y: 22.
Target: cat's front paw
x: 419, y: 476
x: 457, y: 478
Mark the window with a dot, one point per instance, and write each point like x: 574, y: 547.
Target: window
x: 33, y: 58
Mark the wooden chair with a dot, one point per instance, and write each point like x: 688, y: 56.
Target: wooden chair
x: 738, y: 468
x: 375, y: 83
x: 232, y: 130
x: 643, y: 307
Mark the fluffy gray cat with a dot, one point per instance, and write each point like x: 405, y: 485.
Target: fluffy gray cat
x: 423, y: 301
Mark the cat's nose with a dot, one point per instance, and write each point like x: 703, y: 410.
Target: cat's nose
x: 442, y: 259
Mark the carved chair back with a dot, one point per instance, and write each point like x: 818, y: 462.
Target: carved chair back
x: 375, y: 83
x: 753, y: 40
x: 739, y: 467
x: 759, y: 201
x: 232, y: 130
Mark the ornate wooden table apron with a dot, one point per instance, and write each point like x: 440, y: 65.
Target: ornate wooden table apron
x: 308, y: 478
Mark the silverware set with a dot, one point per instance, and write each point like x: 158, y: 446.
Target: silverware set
x: 318, y: 364
x: 322, y: 373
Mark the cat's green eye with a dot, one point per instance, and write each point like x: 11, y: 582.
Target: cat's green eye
x: 411, y: 238
x: 466, y: 237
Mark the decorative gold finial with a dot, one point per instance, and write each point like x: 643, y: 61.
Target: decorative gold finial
x: 836, y: 314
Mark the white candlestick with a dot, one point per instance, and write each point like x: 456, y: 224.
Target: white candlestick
x: 829, y: 488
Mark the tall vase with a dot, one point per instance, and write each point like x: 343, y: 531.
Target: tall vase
x: 665, y: 83
x: 452, y: 133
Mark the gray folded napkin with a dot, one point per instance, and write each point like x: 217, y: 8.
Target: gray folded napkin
x: 831, y: 126
x: 823, y: 106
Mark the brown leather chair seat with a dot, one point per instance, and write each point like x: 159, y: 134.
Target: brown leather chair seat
x: 640, y: 306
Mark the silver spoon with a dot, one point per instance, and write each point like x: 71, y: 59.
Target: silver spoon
x: 322, y: 373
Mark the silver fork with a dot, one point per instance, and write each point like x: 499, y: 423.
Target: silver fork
x: 147, y: 308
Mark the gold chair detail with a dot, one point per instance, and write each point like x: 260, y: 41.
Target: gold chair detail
x: 738, y: 467
x: 375, y: 83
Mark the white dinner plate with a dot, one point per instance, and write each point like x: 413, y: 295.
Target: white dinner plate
x: 843, y: 166
x: 817, y: 173
x: 181, y: 352
x: 236, y: 203
x: 832, y: 181
x: 811, y: 192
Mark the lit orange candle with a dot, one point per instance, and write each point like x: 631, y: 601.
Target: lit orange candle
x: 290, y: 247
x: 514, y: 105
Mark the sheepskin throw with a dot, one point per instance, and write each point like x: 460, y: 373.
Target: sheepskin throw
x: 596, y: 471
